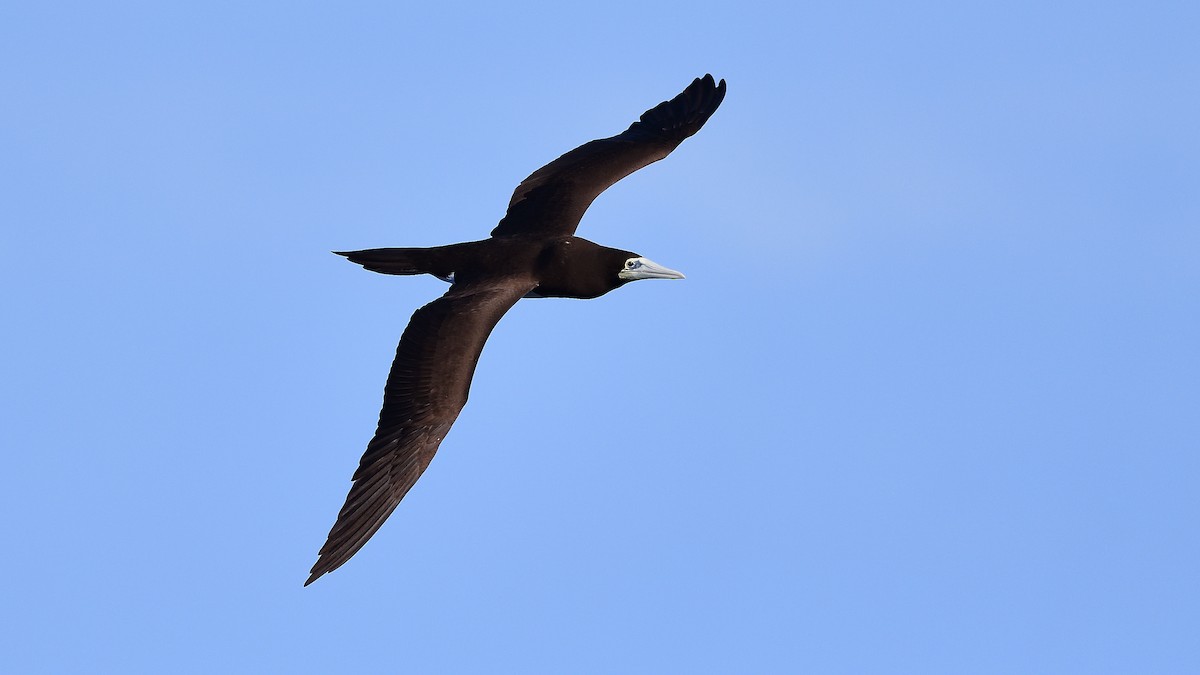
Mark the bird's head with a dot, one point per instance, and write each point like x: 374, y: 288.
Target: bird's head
x: 578, y: 268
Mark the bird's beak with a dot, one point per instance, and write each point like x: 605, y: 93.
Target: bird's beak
x: 645, y: 268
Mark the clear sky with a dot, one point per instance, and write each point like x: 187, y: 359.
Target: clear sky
x: 927, y: 401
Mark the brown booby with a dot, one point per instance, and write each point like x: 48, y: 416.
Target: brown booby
x: 532, y: 253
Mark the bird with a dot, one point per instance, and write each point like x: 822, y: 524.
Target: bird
x: 532, y: 253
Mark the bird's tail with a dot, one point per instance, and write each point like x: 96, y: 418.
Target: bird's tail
x: 397, y: 260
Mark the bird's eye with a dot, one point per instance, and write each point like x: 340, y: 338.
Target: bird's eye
x: 629, y: 264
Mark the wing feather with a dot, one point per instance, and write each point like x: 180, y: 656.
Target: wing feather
x: 426, y: 389
x: 553, y: 199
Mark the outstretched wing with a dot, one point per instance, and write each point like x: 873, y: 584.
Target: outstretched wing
x: 552, y: 200
x: 425, y: 391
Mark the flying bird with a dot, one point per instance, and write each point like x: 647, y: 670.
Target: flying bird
x: 532, y: 253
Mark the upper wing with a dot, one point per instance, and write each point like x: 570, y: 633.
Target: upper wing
x: 554, y: 198
x: 425, y: 391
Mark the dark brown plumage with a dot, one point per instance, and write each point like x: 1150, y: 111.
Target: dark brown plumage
x: 532, y: 253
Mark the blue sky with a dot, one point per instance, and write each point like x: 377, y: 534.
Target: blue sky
x: 925, y: 403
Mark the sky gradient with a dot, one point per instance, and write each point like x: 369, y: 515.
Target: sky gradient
x: 926, y: 402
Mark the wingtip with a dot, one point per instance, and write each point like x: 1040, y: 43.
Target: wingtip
x: 710, y: 91
x: 344, y: 254
x: 711, y: 81
x: 315, y: 573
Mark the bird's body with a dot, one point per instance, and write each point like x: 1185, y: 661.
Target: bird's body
x: 532, y: 253
x: 561, y: 267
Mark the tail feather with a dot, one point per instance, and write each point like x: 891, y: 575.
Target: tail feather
x: 392, y: 260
